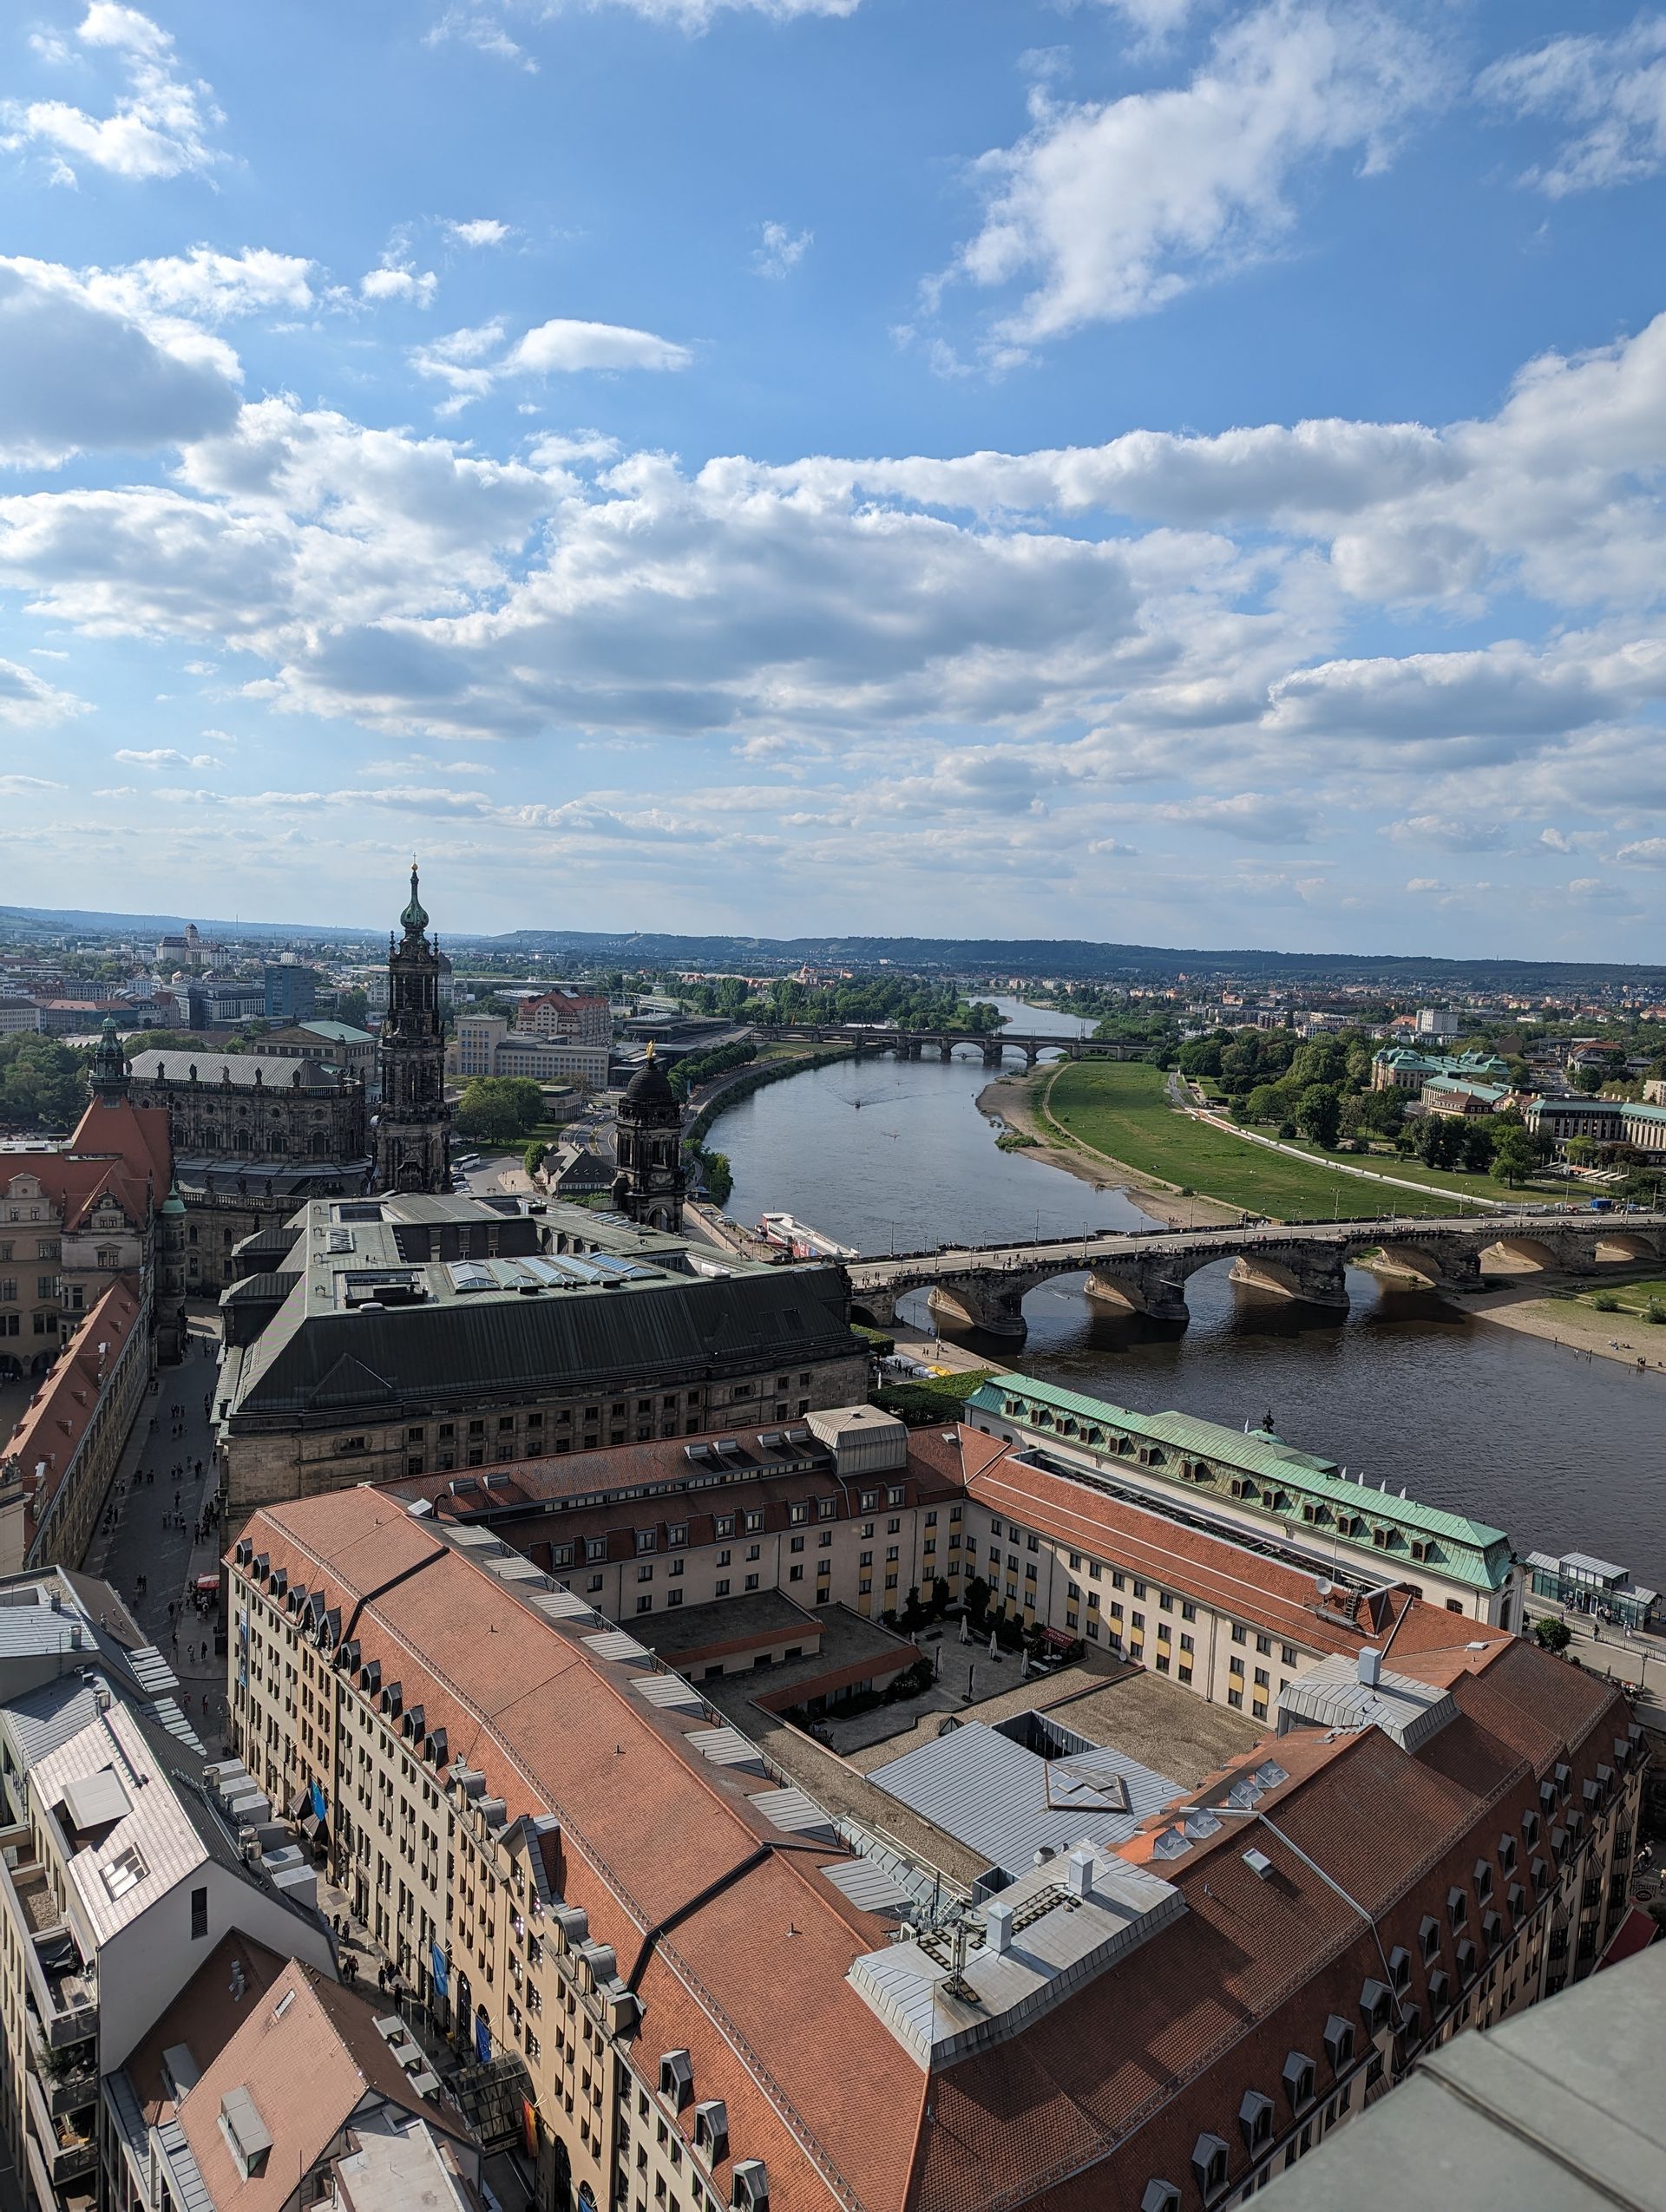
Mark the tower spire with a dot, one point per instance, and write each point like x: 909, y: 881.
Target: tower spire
x: 414, y: 918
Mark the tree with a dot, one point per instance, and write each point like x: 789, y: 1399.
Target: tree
x: 977, y: 1597
x: 1319, y: 1117
x: 499, y: 1109
x: 43, y: 1083
x: 536, y: 1154
x: 1553, y: 1635
x: 1480, y: 1141
x: 353, y: 1007
x: 1514, y: 1156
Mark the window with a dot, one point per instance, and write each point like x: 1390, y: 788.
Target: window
x: 199, y: 1915
x: 1239, y: 1633
x: 1208, y: 2164
x: 1339, y: 2043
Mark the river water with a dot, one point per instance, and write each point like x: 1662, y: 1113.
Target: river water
x: 1564, y: 1452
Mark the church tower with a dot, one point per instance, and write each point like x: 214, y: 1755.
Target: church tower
x: 648, y: 1147
x: 411, y: 1129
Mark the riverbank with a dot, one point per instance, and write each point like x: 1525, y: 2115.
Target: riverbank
x: 1574, y: 1325
x: 1011, y: 1101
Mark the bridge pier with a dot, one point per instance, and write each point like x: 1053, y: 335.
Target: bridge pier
x: 877, y: 1307
x: 994, y: 1052
x: 1031, y: 1055
x: 945, y: 1051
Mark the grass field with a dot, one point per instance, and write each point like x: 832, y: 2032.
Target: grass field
x: 1414, y: 1171
x: 1120, y: 1109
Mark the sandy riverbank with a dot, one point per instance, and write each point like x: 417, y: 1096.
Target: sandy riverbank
x: 1577, y: 1329
x: 1010, y: 1102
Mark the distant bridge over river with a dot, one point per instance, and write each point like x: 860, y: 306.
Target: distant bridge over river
x: 873, y: 1043
x: 984, y: 1286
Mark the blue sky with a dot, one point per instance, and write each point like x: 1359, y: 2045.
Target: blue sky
x: 1134, y: 468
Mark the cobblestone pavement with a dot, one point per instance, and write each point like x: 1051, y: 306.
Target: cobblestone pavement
x: 141, y: 1536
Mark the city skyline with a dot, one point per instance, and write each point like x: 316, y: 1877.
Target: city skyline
x: 457, y: 425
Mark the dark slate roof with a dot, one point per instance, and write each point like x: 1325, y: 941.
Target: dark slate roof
x: 275, y: 1073
x: 327, y: 1365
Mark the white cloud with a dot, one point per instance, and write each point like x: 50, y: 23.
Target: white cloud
x: 29, y: 702
x: 1114, y: 207
x: 79, y: 371
x: 1614, y: 87
x: 780, y: 250
x: 167, y: 757
x: 472, y: 361
x: 483, y: 230
x: 207, y: 285
x: 157, y: 126
x: 484, y: 26
x: 1646, y: 852
x: 563, y: 345
x: 398, y: 280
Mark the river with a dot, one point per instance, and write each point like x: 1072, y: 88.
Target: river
x: 1562, y: 1452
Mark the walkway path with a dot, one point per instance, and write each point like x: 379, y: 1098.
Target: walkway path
x: 139, y: 1536
x: 1340, y: 1166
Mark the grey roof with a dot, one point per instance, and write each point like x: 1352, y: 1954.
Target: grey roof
x: 1007, y: 1802
x: 1559, y: 2106
x: 43, y: 1718
x: 1331, y: 1695
x: 241, y: 1069
x: 504, y: 1342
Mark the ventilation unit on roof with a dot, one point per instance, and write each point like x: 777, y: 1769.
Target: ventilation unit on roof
x: 698, y: 1453
x: 1259, y: 1864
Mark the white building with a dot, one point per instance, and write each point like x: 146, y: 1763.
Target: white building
x: 484, y: 1044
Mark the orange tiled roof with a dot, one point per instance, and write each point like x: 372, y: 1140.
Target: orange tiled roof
x: 62, y: 1411
x: 753, y: 1982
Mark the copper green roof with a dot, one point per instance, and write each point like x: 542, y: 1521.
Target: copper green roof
x: 1467, y: 1550
x: 415, y: 917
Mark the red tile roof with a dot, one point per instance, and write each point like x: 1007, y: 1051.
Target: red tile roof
x: 63, y: 1409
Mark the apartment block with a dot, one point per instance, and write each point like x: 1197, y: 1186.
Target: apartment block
x: 122, y: 1869
x: 720, y: 1992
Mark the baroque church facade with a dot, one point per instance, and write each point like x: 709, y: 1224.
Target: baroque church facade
x: 413, y: 1126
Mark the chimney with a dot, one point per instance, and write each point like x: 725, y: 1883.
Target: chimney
x: 1078, y: 1873
x: 997, y: 1926
x: 1370, y: 1667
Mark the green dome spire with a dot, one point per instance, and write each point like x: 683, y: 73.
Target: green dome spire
x: 415, y: 917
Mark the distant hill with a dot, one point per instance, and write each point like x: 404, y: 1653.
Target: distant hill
x: 1066, y: 959
x: 43, y: 921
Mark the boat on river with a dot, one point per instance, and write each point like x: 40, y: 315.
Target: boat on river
x: 802, y: 1242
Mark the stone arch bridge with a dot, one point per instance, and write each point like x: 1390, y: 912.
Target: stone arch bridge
x: 1145, y: 1272
x: 921, y: 1043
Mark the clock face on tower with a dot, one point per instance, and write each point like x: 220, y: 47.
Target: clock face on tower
x: 412, y: 1130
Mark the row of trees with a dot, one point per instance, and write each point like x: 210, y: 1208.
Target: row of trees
x: 905, y: 1000
x: 701, y: 1067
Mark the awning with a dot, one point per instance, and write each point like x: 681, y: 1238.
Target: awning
x: 1058, y: 1639
x: 1635, y: 1933
x: 207, y: 1585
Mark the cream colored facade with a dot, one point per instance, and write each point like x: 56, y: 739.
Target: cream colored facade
x: 432, y: 1863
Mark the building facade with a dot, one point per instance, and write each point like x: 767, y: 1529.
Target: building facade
x: 724, y: 1995
x: 246, y: 1106
x: 484, y: 1044
x: 394, y: 1337
x: 413, y: 1122
x: 571, y: 1017
x: 651, y: 1182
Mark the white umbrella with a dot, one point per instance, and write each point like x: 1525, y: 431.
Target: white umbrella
x: 995, y: 1650
x: 966, y: 1630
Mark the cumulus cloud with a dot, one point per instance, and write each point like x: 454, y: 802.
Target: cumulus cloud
x: 472, y: 361
x: 1613, y: 88
x: 398, y: 280
x: 565, y: 345
x: 1011, y: 662
x: 159, y: 123
x: 167, y: 757
x: 1111, y: 208
x: 81, y: 371
x: 779, y: 251
x: 27, y: 702
x: 480, y: 230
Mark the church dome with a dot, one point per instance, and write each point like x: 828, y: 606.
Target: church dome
x: 648, y: 1087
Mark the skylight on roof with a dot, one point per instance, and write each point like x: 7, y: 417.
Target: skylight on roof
x: 124, y: 1872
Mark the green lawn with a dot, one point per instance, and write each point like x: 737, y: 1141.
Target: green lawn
x: 1414, y: 1171
x: 1120, y: 1109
